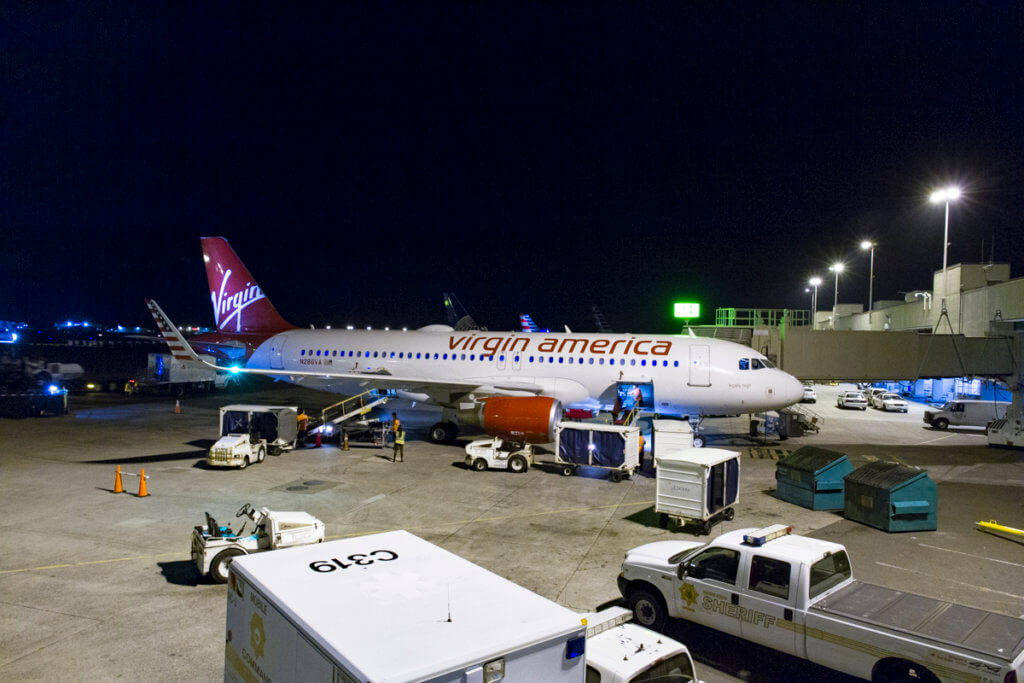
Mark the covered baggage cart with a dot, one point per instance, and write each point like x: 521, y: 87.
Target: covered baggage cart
x: 698, y: 486
x: 591, y: 444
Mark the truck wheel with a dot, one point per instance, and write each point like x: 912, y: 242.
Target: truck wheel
x: 901, y: 670
x: 729, y: 514
x: 479, y: 465
x: 705, y: 528
x: 615, y: 476
x: 648, y: 609
x: 568, y: 470
x: 245, y: 463
x: 220, y: 564
x: 941, y: 423
x: 260, y: 455
x: 517, y: 464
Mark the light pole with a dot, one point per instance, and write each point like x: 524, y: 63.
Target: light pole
x: 869, y: 245
x: 945, y: 195
x: 836, y: 268
x: 814, y: 282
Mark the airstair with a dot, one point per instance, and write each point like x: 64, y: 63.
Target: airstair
x: 809, y: 420
x: 353, y: 407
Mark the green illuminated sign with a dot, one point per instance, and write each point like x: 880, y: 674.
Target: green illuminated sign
x: 687, y: 310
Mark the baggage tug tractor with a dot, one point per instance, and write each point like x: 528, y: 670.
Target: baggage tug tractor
x: 214, y: 545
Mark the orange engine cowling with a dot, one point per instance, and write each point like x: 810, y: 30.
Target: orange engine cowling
x: 517, y: 418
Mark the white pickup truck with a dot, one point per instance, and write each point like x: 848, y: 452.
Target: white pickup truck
x: 797, y: 595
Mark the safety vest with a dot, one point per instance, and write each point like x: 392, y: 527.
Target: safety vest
x: 400, y: 438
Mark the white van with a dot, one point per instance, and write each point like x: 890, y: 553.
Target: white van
x: 966, y: 413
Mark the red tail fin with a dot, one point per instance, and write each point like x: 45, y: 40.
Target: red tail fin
x: 239, y: 305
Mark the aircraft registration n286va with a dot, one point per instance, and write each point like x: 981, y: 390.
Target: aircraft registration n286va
x: 513, y: 384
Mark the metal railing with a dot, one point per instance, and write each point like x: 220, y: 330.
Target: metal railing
x: 761, y: 317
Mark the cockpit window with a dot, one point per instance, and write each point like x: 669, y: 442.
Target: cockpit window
x: 767, y: 363
x: 744, y: 363
x: 756, y: 364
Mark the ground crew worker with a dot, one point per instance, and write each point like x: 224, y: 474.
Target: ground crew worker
x: 641, y: 455
x: 396, y: 424
x: 399, y: 446
x: 302, y: 423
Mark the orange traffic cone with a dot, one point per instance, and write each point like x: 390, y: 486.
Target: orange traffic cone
x: 177, y: 407
x: 117, y: 481
x: 142, y: 484
x: 319, y: 441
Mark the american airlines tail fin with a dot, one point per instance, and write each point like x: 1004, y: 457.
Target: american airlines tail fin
x: 527, y: 323
x: 239, y: 305
x: 180, y: 348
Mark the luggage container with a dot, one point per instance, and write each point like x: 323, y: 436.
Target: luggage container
x: 615, y: 448
x: 391, y: 607
x: 698, y: 486
x: 891, y: 497
x: 668, y: 436
x: 812, y: 477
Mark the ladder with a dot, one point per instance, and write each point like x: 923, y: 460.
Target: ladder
x: 354, y: 406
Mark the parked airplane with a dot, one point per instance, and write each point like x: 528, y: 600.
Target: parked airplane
x: 527, y: 324
x: 510, y: 383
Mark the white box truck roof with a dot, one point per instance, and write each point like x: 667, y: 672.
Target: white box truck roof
x: 398, y: 608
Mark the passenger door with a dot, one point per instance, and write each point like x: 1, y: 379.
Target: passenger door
x: 768, y: 600
x: 700, y: 365
x: 708, y: 593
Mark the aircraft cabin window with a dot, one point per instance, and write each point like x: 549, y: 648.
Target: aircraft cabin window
x: 417, y: 356
x: 516, y: 359
x: 551, y: 359
x: 531, y: 359
x: 302, y: 352
x: 632, y: 361
x: 570, y: 360
x: 744, y: 363
x: 600, y: 361
x: 643, y: 362
x: 591, y: 361
x: 444, y: 357
x: 463, y: 356
x: 318, y: 352
x: 561, y: 360
x: 435, y: 356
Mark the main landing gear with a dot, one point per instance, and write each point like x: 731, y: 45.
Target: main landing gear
x: 444, y: 432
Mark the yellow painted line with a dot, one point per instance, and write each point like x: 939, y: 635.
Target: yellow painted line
x: 86, y: 563
x: 497, y: 519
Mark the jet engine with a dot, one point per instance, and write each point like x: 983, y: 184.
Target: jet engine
x: 516, y: 418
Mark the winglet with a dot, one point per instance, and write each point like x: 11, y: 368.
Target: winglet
x: 180, y: 349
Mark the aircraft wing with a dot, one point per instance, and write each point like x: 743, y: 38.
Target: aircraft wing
x: 443, y: 389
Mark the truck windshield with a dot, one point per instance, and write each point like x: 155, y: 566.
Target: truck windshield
x: 677, y: 669
x: 828, y: 572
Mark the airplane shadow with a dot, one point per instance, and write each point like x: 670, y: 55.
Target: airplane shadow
x: 181, y: 573
x: 143, y: 459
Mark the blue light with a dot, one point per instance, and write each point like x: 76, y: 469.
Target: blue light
x: 233, y: 369
x: 575, y: 647
x: 53, y: 389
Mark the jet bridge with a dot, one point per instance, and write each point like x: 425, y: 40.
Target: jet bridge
x: 875, y: 356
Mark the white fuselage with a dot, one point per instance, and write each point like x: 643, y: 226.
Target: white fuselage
x: 688, y: 375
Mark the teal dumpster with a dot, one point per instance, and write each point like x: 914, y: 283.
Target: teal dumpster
x: 812, y: 477
x: 891, y: 497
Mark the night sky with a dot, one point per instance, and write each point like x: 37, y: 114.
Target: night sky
x: 363, y: 158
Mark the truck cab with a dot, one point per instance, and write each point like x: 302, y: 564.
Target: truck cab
x: 622, y: 652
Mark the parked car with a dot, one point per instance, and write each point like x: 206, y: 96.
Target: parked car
x: 889, y: 401
x: 809, y: 395
x: 871, y: 392
x: 852, y: 399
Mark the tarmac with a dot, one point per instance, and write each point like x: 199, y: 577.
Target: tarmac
x: 96, y: 585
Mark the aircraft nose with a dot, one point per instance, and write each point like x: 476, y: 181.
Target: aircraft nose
x: 790, y: 389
